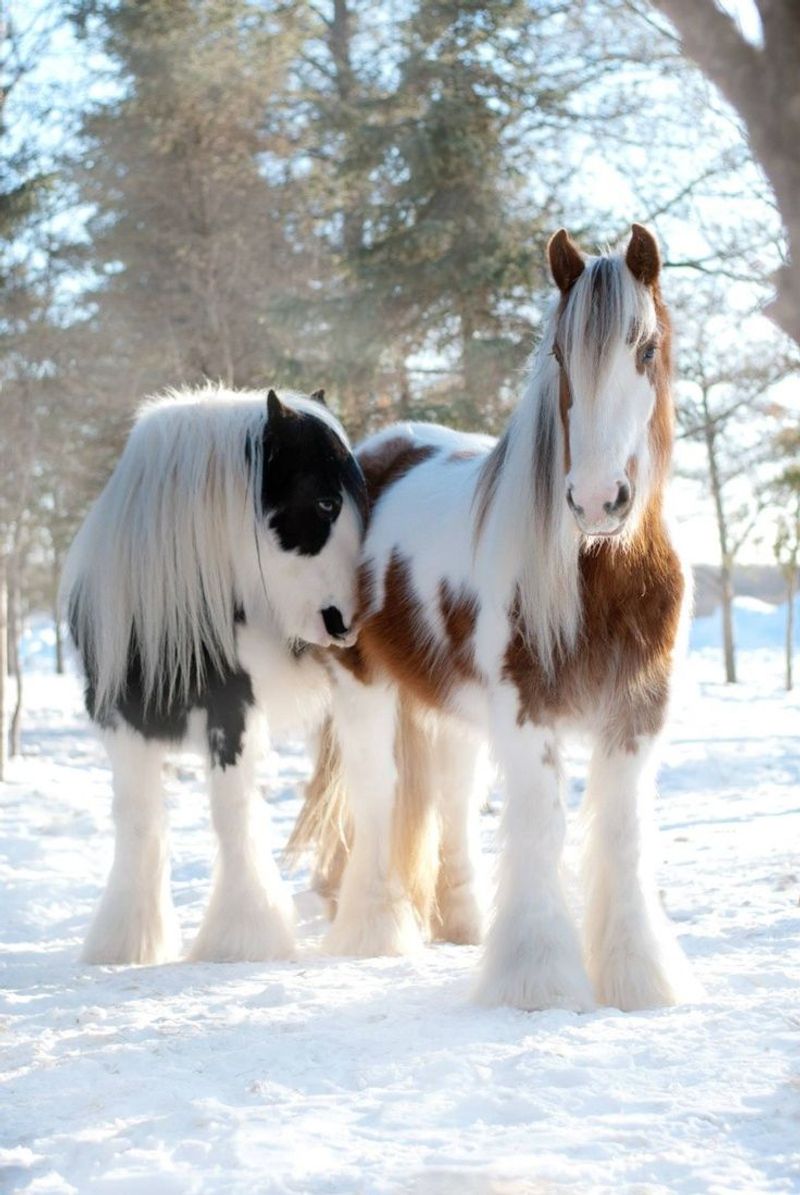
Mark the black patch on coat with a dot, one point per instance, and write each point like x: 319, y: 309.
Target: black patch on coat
x: 227, y: 704
x: 226, y: 695
x: 306, y: 468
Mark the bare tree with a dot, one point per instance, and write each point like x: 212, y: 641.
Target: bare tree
x: 725, y: 408
x: 762, y: 83
x: 787, y: 553
x: 786, y: 545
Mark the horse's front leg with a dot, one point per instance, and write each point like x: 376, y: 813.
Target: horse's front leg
x: 532, y: 958
x: 135, y: 921
x: 250, y: 915
x: 374, y: 914
x: 633, y: 957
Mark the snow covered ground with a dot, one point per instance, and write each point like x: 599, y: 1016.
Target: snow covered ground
x: 330, y: 1075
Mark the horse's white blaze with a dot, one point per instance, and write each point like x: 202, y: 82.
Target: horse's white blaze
x: 605, y: 435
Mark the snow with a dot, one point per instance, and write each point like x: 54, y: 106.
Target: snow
x: 331, y: 1075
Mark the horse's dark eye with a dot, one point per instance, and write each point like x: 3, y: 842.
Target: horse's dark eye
x: 649, y: 352
x: 328, y: 507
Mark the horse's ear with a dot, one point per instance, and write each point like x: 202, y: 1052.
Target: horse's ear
x: 319, y: 396
x: 566, y: 260
x: 643, y: 258
x: 275, y: 409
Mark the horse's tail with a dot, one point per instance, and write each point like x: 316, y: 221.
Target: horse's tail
x: 324, y: 826
x: 416, y: 830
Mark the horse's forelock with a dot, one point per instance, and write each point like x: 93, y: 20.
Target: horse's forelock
x: 605, y: 310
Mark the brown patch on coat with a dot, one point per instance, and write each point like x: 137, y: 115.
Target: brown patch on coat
x: 354, y: 659
x: 460, y: 615
x: 389, y: 461
x: 398, y: 639
x: 631, y: 598
x: 549, y: 757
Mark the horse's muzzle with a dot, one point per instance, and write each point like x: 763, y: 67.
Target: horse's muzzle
x: 335, y: 626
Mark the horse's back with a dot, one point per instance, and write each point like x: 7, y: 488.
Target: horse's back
x: 387, y: 457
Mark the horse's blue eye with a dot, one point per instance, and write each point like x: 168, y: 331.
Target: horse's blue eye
x: 649, y: 353
x: 327, y: 507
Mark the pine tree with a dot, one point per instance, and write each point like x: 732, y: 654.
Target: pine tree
x: 435, y: 220
x: 187, y: 239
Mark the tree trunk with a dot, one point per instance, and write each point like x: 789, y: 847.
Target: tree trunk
x: 763, y: 85
x: 728, y: 644
x: 791, y: 586
x: 726, y: 557
x: 15, y: 608
x: 3, y: 664
x: 340, y: 38
x: 12, y: 613
x: 56, y: 616
x: 59, y: 642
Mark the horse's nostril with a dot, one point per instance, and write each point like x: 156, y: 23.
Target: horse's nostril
x: 334, y: 623
x: 621, y: 501
x: 572, y: 504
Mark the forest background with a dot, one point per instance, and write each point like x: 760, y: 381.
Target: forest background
x: 356, y: 194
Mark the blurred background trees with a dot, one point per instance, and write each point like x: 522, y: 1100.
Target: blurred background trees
x: 356, y: 194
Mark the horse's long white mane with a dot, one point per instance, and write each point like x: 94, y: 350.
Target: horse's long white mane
x: 522, y: 493
x: 156, y: 557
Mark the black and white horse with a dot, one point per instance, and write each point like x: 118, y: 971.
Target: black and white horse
x: 226, y: 540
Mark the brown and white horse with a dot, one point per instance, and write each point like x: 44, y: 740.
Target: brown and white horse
x: 519, y: 590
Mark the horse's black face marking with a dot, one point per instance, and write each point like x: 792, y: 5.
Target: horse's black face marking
x: 307, y: 472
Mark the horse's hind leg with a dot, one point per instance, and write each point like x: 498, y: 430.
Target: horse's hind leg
x: 460, y: 790
x: 135, y: 921
x: 250, y: 915
x: 374, y: 914
x: 633, y: 957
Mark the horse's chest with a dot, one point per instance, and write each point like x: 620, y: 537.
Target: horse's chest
x: 619, y: 668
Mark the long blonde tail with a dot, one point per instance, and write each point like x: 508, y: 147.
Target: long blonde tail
x: 324, y: 825
x: 416, y: 830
